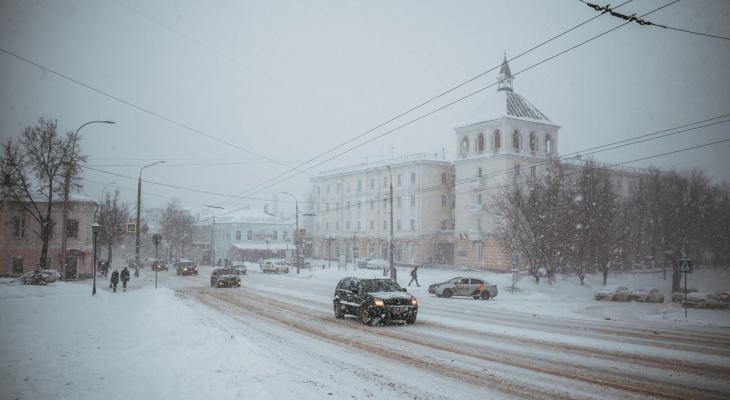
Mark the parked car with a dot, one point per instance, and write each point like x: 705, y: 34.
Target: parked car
x: 613, y: 293
x: 647, y: 295
x: 225, y: 277
x: 678, y: 296
x: 275, y: 266
x: 186, y: 267
x: 704, y: 300
x: 374, y: 301
x: 363, y: 262
x: 464, y: 286
x: 239, y: 267
x: 40, y: 277
x: 377, y: 264
x: 724, y: 297
x: 160, y: 265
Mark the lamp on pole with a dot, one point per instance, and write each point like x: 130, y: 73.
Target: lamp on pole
x: 65, y: 195
x: 95, y: 228
x: 393, y: 275
x: 297, y: 239
x: 139, y: 203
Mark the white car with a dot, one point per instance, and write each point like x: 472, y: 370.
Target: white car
x: 613, y: 293
x: 275, y: 266
x: 377, y: 264
x: 240, y: 267
x: 648, y: 295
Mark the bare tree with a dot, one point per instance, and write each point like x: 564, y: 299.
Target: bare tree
x: 112, y: 216
x: 177, y: 226
x: 34, y: 171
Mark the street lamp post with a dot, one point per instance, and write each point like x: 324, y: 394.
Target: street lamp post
x: 393, y: 275
x: 65, y: 196
x: 139, y: 201
x: 297, y: 239
x: 268, y: 252
x: 95, y: 228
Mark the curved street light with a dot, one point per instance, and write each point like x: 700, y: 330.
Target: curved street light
x: 65, y: 197
x: 139, y: 201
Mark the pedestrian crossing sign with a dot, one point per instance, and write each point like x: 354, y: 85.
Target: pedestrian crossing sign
x: 685, y: 266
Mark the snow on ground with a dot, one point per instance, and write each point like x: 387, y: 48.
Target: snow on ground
x: 59, y: 342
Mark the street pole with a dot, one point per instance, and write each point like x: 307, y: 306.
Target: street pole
x: 354, y: 252
x: 95, y: 230
x: 297, y: 239
x: 65, y: 198
x: 393, y: 275
x: 139, y: 205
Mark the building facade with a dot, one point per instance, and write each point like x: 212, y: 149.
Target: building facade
x: 21, y: 247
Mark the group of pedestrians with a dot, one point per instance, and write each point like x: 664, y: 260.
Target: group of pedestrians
x: 116, y: 276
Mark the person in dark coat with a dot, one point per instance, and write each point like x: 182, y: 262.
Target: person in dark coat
x: 414, y: 276
x: 125, y: 278
x: 114, y: 280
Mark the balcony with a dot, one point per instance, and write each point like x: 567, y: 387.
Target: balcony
x: 476, y: 208
x: 477, y: 183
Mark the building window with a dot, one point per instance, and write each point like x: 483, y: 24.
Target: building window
x: 372, y: 183
x: 398, y: 202
x: 359, y: 185
x: 444, y: 225
x: 318, y: 191
x: 328, y: 189
x: 497, y: 139
x: 337, y: 188
x: 479, y: 252
x: 284, y: 235
x: 249, y: 235
x: 533, y: 142
x: 327, y: 206
x: 337, y: 206
x: 399, y: 179
x: 413, y: 177
x: 444, y: 200
x: 443, y: 178
x: 385, y: 182
x: 413, y: 200
x: 19, y: 227
x: 517, y: 169
x: 480, y: 142
x: 274, y: 236
x: 548, y: 144
x: 385, y: 203
x: 516, y: 140
x: 238, y: 235
x: 72, y: 228
x: 464, y: 146
x: 359, y: 204
x: 413, y: 224
x: 372, y: 204
x: 385, y: 225
x: 18, y: 265
x: 479, y: 198
x: 533, y: 171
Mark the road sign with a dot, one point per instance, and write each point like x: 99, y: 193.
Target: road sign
x: 515, y: 261
x: 685, y: 266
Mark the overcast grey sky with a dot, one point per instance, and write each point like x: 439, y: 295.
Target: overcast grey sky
x: 232, y: 94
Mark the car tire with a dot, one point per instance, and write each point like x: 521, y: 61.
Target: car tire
x: 365, y: 315
x: 411, y: 319
x: 448, y: 293
x: 339, y: 314
x: 485, y: 295
x: 286, y: 271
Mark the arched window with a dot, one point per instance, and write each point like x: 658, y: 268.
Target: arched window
x: 548, y: 144
x: 516, y: 140
x: 497, y: 140
x: 480, y: 142
x: 533, y: 142
x: 465, y: 146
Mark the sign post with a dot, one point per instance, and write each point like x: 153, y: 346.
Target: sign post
x: 685, y: 266
x: 514, y: 262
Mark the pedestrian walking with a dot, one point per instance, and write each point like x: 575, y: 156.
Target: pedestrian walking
x: 414, y: 276
x: 114, y: 280
x: 125, y: 278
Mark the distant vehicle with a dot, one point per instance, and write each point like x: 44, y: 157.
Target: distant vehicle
x: 186, y: 267
x: 275, y: 266
x: 40, y: 277
x: 464, y: 286
x: 678, y: 295
x: 613, y: 293
x: 724, y: 297
x: 647, y: 295
x: 160, y: 265
x: 239, y: 267
x: 225, y: 277
x: 377, y: 264
x: 363, y: 262
x: 704, y: 300
x: 374, y: 301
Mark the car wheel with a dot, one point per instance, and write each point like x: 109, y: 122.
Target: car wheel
x: 286, y: 271
x: 485, y: 295
x: 448, y: 293
x: 339, y: 314
x: 411, y: 319
x: 365, y: 315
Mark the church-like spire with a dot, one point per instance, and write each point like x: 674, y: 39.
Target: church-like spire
x: 505, y: 77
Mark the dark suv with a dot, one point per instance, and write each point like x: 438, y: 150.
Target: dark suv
x: 159, y: 265
x: 186, y: 267
x: 374, y: 301
x: 227, y: 277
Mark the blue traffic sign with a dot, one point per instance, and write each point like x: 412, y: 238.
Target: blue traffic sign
x: 515, y: 261
x: 685, y: 266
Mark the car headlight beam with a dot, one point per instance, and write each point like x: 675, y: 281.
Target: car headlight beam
x: 378, y: 302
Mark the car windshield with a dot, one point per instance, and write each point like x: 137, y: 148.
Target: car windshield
x: 379, y: 285
x: 227, y: 272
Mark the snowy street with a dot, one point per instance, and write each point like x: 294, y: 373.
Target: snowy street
x: 277, y: 336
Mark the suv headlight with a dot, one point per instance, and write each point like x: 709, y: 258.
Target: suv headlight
x: 378, y: 302
x: 414, y: 302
